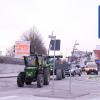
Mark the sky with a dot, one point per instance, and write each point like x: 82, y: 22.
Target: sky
x: 69, y: 20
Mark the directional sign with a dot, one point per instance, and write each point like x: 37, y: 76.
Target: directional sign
x: 55, y: 44
x: 52, y: 37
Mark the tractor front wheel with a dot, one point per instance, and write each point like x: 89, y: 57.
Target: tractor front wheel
x: 58, y: 74
x: 20, y: 79
x: 63, y: 73
x: 46, y: 76
x: 40, y: 80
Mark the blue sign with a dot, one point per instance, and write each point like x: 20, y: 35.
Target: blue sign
x: 97, y: 61
x: 55, y: 43
x: 99, y: 21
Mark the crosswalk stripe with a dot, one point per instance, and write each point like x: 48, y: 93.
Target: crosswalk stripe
x: 7, y: 97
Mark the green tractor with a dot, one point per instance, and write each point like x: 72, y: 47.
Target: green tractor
x: 59, y: 69
x: 35, y: 71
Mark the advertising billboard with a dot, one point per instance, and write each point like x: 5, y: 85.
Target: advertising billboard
x: 22, y: 48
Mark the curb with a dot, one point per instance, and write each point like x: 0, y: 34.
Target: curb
x: 68, y: 96
x: 7, y: 76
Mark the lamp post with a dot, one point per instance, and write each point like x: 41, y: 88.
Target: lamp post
x: 52, y: 38
x: 74, y: 48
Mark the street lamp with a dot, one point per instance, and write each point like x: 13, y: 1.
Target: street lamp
x: 74, y: 48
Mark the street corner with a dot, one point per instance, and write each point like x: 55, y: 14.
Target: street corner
x: 93, y: 78
x: 63, y: 94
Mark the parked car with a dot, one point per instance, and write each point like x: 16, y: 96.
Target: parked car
x: 91, y: 68
x: 75, y: 70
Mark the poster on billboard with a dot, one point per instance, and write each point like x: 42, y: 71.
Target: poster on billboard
x: 22, y: 48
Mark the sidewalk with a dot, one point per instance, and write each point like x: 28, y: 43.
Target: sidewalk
x: 8, y: 75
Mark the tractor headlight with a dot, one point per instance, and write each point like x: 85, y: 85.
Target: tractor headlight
x: 29, y: 73
x: 51, y: 68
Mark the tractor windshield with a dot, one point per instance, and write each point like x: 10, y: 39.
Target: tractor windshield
x: 50, y: 60
x: 30, y: 61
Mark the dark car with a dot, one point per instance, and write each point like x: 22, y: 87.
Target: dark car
x: 75, y: 70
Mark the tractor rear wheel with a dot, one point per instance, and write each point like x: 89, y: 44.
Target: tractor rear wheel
x: 40, y: 80
x: 46, y: 76
x: 58, y: 74
x: 20, y: 79
x: 63, y: 73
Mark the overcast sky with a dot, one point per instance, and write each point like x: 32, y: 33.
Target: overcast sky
x: 70, y: 20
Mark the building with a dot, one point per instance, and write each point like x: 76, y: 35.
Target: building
x: 97, y: 57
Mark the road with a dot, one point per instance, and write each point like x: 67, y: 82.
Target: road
x: 83, y: 88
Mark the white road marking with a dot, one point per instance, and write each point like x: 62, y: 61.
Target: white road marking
x: 8, y: 97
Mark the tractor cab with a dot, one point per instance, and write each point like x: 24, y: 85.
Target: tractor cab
x: 31, y: 61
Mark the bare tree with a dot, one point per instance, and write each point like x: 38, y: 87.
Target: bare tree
x: 36, y: 42
x: 10, y: 51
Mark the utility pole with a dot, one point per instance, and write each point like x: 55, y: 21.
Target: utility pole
x: 53, y: 38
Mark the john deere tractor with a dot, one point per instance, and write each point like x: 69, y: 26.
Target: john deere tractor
x: 35, y: 71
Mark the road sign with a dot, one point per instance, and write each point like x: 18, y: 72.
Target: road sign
x: 55, y: 43
x: 22, y: 48
x: 99, y: 21
x: 52, y: 37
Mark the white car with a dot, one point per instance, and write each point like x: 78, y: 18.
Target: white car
x: 91, y: 68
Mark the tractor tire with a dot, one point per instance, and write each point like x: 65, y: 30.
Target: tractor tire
x: 58, y: 74
x: 46, y: 76
x: 28, y: 83
x: 20, y: 79
x: 40, y: 80
x: 63, y: 73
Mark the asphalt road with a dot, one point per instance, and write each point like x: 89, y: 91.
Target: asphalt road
x: 82, y: 88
